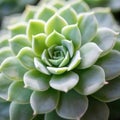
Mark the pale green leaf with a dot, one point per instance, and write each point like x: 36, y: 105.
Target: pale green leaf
x: 75, y: 61
x: 87, y: 24
x: 69, y: 15
x: 69, y: 45
x: 57, y: 71
x: 12, y: 68
x: 20, y: 111
x: 90, y: 53
x: 44, y: 102
x: 26, y: 57
x: 96, y: 111
x: 72, y: 32
x: 45, y: 13
x: 40, y: 66
x: 56, y: 23
x: 38, y: 43
x: 91, y: 80
x: 54, y: 38
x: 105, y: 39
x: 72, y: 105
x: 37, y: 81
x: 18, y: 42
x: 111, y: 64
x: 4, y: 85
x: 110, y: 92
x: 64, y: 82
x: 35, y: 27
x: 18, y: 93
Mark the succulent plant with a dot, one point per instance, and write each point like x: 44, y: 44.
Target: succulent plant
x: 62, y: 62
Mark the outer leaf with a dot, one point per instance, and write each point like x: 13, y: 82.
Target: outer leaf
x: 96, y: 111
x: 4, y: 40
x: 54, y: 38
x: 40, y: 66
x: 4, y: 53
x: 20, y: 111
x: 12, y: 68
x: 43, y: 102
x: 64, y: 82
x: 57, y: 71
x: 38, y: 43
x: 111, y: 64
x: 4, y: 110
x: 88, y: 26
x: 69, y: 15
x: 75, y: 61
x: 80, y: 6
x: 4, y: 85
x: 90, y: 52
x: 45, y: 13
x: 53, y: 22
x: 18, y: 42
x: 19, y: 28
x: 105, y: 39
x: 53, y: 116
x: 91, y: 80
x: 35, y: 27
x: 72, y: 32
x: 18, y: 93
x: 117, y: 45
x: 72, y: 105
x: 26, y: 57
x: 37, y: 81
x: 109, y: 92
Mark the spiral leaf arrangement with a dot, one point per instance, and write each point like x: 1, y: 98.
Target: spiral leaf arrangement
x: 55, y: 58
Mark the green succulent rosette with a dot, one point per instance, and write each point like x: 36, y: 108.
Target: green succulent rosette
x: 59, y: 55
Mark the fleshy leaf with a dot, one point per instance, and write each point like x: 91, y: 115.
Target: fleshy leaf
x: 57, y: 71
x: 35, y: 27
x: 87, y: 24
x: 4, y: 85
x: 75, y: 61
x: 19, y: 28
x: 18, y: 93
x: 72, y: 105
x: 12, y: 68
x: 4, y: 110
x: 53, y: 116
x: 37, y: 81
x: 91, y: 80
x: 96, y: 111
x: 4, y: 53
x: 105, y: 39
x: 56, y: 23
x: 45, y: 57
x: 26, y: 57
x: 90, y: 52
x: 45, y: 13
x: 110, y: 92
x: 111, y: 64
x: 69, y: 15
x: 40, y: 66
x: 117, y: 45
x: 64, y: 82
x: 18, y: 42
x: 65, y: 61
x: 43, y: 102
x: 58, y: 4
x: 72, y: 32
x: 38, y: 43
x: 54, y: 38
x: 80, y: 6
x: 4, y: 41
x: 20, y: 111
x: 69, y: 45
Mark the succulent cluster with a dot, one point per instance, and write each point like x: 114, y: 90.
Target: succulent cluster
x: 55, y: 58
